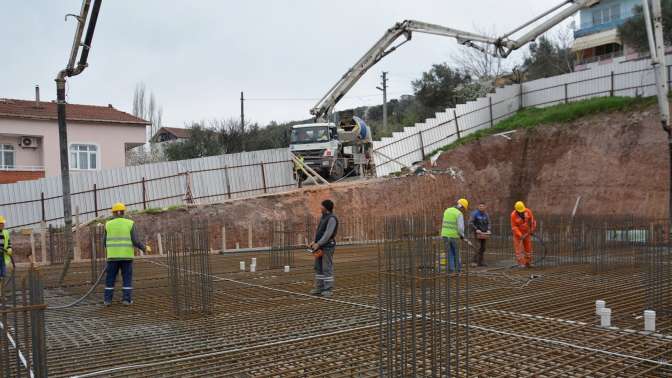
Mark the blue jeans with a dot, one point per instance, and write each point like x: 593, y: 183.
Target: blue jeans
x: 113, y: 267
x: 3, y: 268
x: 452, y: 254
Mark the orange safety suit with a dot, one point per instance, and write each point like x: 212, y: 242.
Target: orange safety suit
x: 523, y: 226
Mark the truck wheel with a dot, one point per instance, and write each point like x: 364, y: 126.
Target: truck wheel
x: 338, y: 170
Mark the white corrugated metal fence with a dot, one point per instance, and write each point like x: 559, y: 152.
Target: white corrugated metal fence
x: 211, y: 179
x: 413, y: 144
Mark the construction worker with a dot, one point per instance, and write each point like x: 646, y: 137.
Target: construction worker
x: 523, y: 226
x: 325, y: 240
x: 120, y: 237
x: 480, y: 225
x: 452, y: 230
x: 299, y: 176
x: 5, y: 249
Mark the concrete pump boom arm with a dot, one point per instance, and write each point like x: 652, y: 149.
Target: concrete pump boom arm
x: 505, y: 45
x: 382, y: 48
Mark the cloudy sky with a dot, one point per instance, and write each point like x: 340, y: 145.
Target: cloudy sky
x: 196, y: 56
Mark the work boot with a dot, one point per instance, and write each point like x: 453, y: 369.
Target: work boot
x: 327, y: 294
x: 315, y: 291
x: 126, y: 303
x: 107, y: 304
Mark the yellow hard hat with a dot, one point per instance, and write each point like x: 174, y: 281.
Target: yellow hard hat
x: 119, y: 206
x: 2, y: 219
x: 463, y: 202
x: 520, y: 206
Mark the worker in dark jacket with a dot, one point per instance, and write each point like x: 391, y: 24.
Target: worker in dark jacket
x: 480, y: 225
x: 325, y: 240
x: 120, y: 238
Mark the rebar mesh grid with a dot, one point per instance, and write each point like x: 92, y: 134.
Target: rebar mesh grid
x: 189, y: 272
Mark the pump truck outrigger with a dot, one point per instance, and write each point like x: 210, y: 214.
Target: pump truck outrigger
x: 336, y: 150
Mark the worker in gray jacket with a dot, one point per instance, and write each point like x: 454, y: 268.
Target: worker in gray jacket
x: 325, y: 240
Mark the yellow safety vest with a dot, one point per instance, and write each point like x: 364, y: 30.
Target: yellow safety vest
x: 8, y: 260
x: 118, y: 239
x: 298, y: 165
x: 449, y: 228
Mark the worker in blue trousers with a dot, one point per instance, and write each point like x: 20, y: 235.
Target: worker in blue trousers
x: 120, y: 239
x: 452, y: 230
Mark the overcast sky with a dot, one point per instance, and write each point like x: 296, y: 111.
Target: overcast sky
x: 196, y: 56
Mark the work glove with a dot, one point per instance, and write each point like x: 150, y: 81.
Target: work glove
x: 148, y: 249
x: 518, y: 234
x: 8, y: 251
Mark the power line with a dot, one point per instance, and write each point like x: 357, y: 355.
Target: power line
x: 353, y: 97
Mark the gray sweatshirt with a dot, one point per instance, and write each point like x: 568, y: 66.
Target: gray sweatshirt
x: 328, y: 233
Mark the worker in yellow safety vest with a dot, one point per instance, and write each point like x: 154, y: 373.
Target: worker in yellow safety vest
x: 5, y: 249
x: 452, y: 230
x: 299, y: 175
x: 120, y: 239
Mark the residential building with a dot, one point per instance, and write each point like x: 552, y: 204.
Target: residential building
x: 169, y: 134
x: 98, y: 138
x: 597, y: 40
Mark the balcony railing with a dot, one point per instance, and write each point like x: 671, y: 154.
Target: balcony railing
x: 598, y: 28
x: 599, y: 58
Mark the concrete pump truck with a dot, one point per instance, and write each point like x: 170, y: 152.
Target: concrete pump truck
x: 334, y: 151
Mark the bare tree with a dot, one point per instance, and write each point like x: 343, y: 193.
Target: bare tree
x: 147, y: 108
x: 481, y: 65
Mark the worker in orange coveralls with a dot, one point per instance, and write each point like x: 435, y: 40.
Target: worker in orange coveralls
x: 523, y: 226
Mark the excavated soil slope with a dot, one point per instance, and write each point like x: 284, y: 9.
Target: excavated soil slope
x: 617, y: 162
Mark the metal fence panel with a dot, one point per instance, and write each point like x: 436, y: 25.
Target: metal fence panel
x: 164, y: 184
x: 631, y: 78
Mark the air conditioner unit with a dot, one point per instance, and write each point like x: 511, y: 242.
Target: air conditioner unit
x: 28, y: 142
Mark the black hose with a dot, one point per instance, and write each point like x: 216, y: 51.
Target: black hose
x: 543, y: 246
x: 95, y: 285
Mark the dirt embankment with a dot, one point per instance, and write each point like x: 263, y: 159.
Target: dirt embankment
x: 617, y: 162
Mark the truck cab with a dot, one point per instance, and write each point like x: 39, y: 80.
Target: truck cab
x: 319, y: 145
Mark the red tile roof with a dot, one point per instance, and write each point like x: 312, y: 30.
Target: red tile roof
x: 178, y: 132
x: 10, y: 108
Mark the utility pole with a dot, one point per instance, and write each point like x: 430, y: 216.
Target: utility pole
x: 384, y: 90
x: 70, y: 71
x: 242, y: 119
x: 242, y: 111
x: 654, y: 32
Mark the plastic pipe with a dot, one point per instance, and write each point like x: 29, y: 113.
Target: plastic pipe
x: 605, y: 317
x: 599, y: 305
x: 253, y: 268
x: 649, y: 320
x: 286, y: 268
x: 242, y: 266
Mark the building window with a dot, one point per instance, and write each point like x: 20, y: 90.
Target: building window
x: 7, y: 154
x: 607, y: 14
x: 83, y: 156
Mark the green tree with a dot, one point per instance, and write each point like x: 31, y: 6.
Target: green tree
x: 439, y: 88
x: 547, y: 58
x: 203, y: 141
x: 633, y: 31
